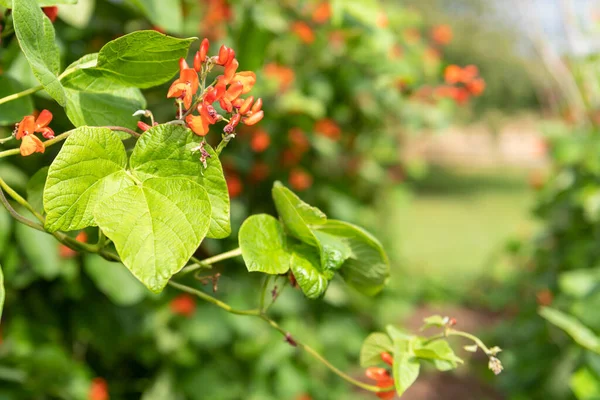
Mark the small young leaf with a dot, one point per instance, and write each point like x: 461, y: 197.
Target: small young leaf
x: 440, y: 353
x: 13, y: 111
x: 368, y: 268
x: 406, y: 366
x: 114, y: 280
x: 306, y: 268
x: 471, y: 348
x: 375, y: 344
x: 167, y: 150
x: 579, y: 332
x: 334, y: 250
x: 35, y: 33
x: 297, y: 215
x: 142, y: 59
x: 90, y: 165
x: 156, y: 226
x: 262, y: 241
x: 434, y: 321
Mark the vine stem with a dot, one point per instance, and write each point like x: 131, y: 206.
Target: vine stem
x: 453, y: 332
x: 24, y: 93
x: 207, y: 262
x: 275, y: 325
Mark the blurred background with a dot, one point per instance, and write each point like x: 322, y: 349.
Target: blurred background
x: 462, y: 133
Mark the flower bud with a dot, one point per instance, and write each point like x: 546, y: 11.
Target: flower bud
x: 143, y: 126
x: 257, y: 106
x: 254, y: 118
x: 245, y: 107
x: 230, y: 127
x: 223, y: 57
x: 183, y: 64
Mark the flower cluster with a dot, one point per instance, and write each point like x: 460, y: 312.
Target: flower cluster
x: 462, y: 83
x: 192, y: 95
x: 382, y: 376
x: 26, y: 129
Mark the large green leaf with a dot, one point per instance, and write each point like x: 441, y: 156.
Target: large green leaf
x: 367, y: 269
x: 90, y: 165
x: 167, y: 150
x: 95, y: 100
x: 156, y: 226
x: 114, y: 280
x: 375, y: 344
x: 406, y: 366
x: 306, y: 268
x: 35, y: 189
x: 579, y: 332
x: 167, y: 14
x: 262, y: 241
x: 36, y: 38
x: 13, y: 111
x: 142, y: 59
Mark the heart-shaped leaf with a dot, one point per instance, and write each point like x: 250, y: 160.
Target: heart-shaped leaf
x: 35, y: 33
x: 167, y: 150
x: 156, y: 226
x: 406, y: 366
x: 375, y: 344
x: 90, y: 165
x: 143, y: 58
x: 263, y: 246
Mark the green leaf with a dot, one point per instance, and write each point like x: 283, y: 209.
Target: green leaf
x: 142, y: 59
x: 94, y: 100
x: 41, y: 251
x: 166, y: 14
x: 585, y: 384
x: 2, y: 292
x: 334, y: 250
x: 90, y: 166
x: 156, y: 226
x: 167, y: 151
x: 368, y: 267
x: 440, y: 353
x: 434, y: 321
x: 36, y: 38
x: 13, y: 111
x: 35, y: 189
x: 579, y: 332
x: 579, y: 283
x: 375, y: 344
x: 406, y: 366
x: 306, y: 268
x: 262, y: 241
x: 114, y: 280
x: 42, y: 3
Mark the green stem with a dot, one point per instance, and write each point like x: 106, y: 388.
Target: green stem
x: 263, y: 291
x: 47, y: 143
x: 207, y: 262
x: 8, y: 139
x: 475, y: 339
x: 17, y: 197
x: 24, y: 93
x: 123, y: 129
x: 212, y: 300
x: 18, y: 216
x: 224, y: 142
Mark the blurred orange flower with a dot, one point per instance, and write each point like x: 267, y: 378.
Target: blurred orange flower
x: 67, y: 252
x: 184, y: 304
x: 300, y: 180
x: 281, y: 73
x: 442, y: 34
x: 298, y: 140
x: 453, y: 74
x: 303, y: 31
x: 98, y: 389
x: 234, y: 185
x: 322, y: 13
x: 382, y: 20
x: 260, y: 141
x: 329, y: 128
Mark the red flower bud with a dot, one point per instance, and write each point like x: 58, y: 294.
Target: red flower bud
x: 387, y: 358
x: 254, y: 118
x: 230, y: 127
x: 183, y: 64
x: 257, y: 106
x: 230, y: 70
x: 203, y: 49
x: 223, y: 57
x: 51, y: 12
x: 237, y: 103
x: 143, y: 126
x: 197, y: 62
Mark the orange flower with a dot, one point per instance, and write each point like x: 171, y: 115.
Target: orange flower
x: 51, y: 12
x: 469, y: 73
x: 253, y: 118
x: 67, y: 252
x: 300, y: 180
x: 186, y: 86
x: 98, y: 390
x: 283, y: 74
x: 28, y: 126
x: 322, y: 13
x: 247, y: 78
x: 298, y: 140
x: 329, y: 128
x: 476, y: 86
x: 200, y: 125
x: 260, y: 141
x: 383, y: 379
x: 382, y: 20
x: 387, y: 358
x: 184, y: 305
x: 303, y: 31
x: 234, y: 185
x: 453, y: 74
x: 442, y: 34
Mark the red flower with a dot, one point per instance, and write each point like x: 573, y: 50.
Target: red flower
x: 300, y: 180
x: 67, y: 252
x: 476, y: 86
x: 200, y: 56
x: 98, y: 390
x: 383, y: 379
x: 329, y: 128
x: 387, y: 358
x: 453, y: 74
x: 260, y: 141
x: 234, y: 185
x: 186, y: 86
x: 184, y: 305
x: 51, y: 12
x: 28, y: 126
x: 322, y: 13
x: 304, y: 32
x: 442, y: 34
